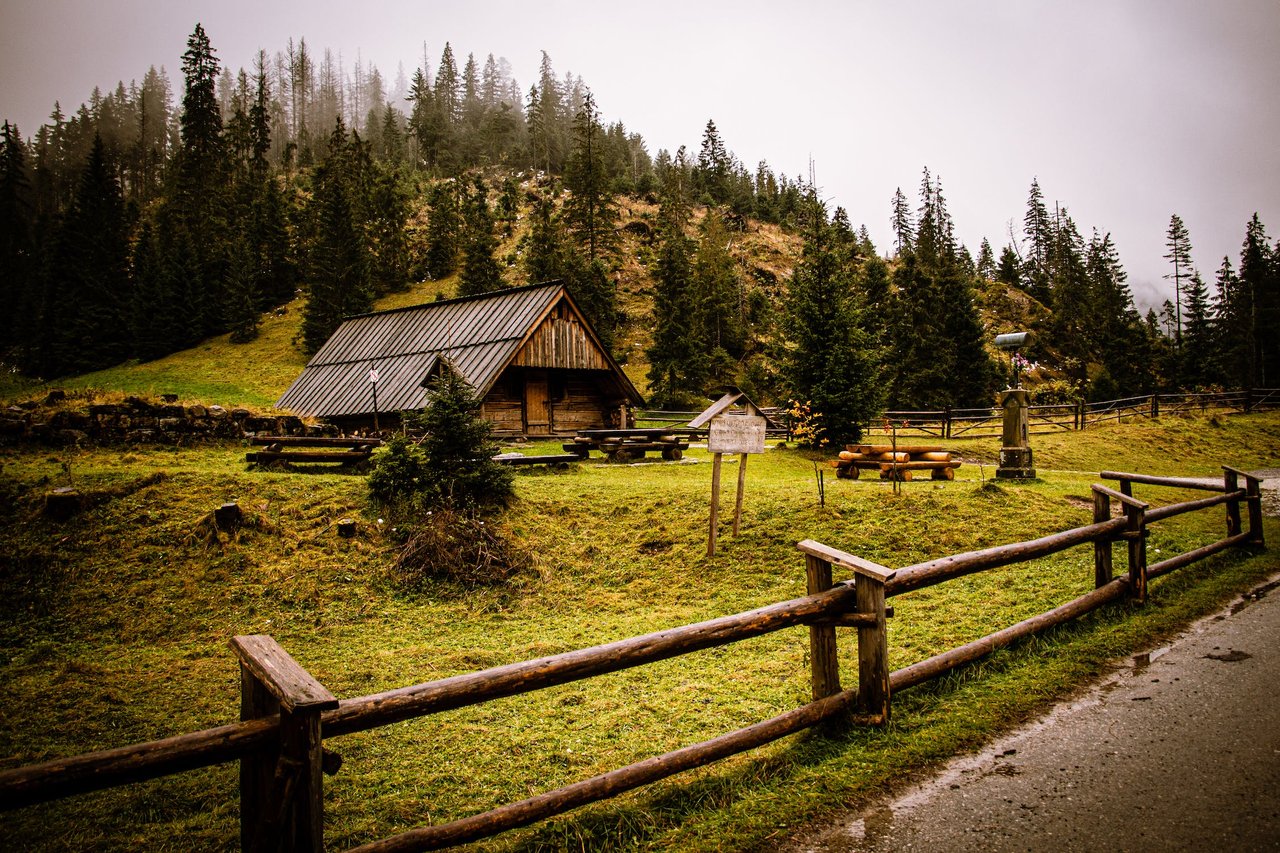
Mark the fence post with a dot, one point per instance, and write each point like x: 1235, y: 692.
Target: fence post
x: 1253, y: 500
x: 1155, y: 406
x: 1101, y: 547
x: 281, y: 787
x: 873, y: 647
x: 1248, y: 400
x: 1231, y: 483
x: 1136, y: 534
x: 823, y: 659
x: 946, y: 422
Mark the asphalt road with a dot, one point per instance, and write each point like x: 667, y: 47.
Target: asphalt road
x: 1178, y: 751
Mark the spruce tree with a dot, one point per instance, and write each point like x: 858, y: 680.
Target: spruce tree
x: 480, y: 270
x: 444, y: 230
x: 1178, y: 242
x: 18, y: 264
x: 832, y: 362
x: 1038, y: 229
x: 90, y: 286
x: 904, y: 228
x: 718, y: 295
x: 590, y: 210
x: 337, y: 259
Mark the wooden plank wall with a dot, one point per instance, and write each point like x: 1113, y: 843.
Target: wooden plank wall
x: 561, y: 341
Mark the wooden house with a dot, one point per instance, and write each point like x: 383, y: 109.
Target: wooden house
x: 528, y: 352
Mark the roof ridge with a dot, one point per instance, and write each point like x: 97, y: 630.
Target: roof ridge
x: 475, y: 297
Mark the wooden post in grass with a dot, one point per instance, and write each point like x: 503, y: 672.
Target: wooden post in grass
x: 1136, y: 534
x: 824, y: 661
x: 281, y: 787
x: 1101, y: 547
x: 871, y: 621
x: 1231, y: 482
x: 715, y: 503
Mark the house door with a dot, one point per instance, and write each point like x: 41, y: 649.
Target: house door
x: 537, y: 410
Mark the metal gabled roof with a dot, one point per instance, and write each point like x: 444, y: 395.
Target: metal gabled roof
x: 478, y: 335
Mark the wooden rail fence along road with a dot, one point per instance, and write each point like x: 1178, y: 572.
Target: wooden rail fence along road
x: 288, y: 718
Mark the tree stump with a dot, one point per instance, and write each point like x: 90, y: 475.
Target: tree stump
x: 228, y: 517
x: 63, y: 503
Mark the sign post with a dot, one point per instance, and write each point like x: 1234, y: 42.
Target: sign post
x: 730, y: 433
x: 373, y: 383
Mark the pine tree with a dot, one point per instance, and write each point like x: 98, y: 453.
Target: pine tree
x: 1038, y: 229
x: 904, y: 227
x: 18, y: 263
x: 1178, y: 242
x: 590, y: 210
x: 90, y: 287
x: 832, y: 362
x: 444, y: 230
x: 480, y: 270
x: 714, y: 166
x: 718, y: 295
x: 337, y: 260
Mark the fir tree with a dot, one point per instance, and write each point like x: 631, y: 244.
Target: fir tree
x: 444, y: 230
x: 832, y: 363
x: 90, y: 286
x: 338, y: 260
x: 904, y: 228
x: 590, y: 211
x: 1178, y: 242
x: 18, y: 266
x: 480, y: 270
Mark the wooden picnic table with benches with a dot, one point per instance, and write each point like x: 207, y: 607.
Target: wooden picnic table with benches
x: 282, y: 448
x: 622, y: 445
x: 897, y: 461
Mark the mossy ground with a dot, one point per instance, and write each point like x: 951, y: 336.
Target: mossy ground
x: 115, y: 628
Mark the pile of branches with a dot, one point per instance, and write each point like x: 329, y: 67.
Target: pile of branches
x: 458, y: 547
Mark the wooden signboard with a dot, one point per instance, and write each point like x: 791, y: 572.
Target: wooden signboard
x: 730, y: 433
x: 736, y: 434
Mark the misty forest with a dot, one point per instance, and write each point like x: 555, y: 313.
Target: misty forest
x: 160, y: 214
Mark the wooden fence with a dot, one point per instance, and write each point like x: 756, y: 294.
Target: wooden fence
x: 986, y: 423
x: 287, y: 716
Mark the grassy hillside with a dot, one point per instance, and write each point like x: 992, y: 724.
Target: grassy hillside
x: 116, y: 623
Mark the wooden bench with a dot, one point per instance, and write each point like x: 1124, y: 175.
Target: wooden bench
x: 282, y: 448
x: 897, y: 462
x: 623, y: 445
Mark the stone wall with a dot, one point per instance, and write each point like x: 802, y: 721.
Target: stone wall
x: 58, y: 420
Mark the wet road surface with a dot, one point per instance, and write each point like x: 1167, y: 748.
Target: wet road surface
x: 1180, y: 751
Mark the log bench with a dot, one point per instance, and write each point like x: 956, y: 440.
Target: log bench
x: 325, y: 449
x: 897, y: 462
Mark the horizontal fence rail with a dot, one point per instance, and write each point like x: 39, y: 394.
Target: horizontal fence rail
x: 281, y: 743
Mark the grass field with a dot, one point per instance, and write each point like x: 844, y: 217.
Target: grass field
x: 115, y: 628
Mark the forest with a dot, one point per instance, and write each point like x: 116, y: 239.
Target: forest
x: 143, y: 224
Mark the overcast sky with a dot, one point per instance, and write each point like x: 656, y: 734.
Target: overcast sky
x: 1126, y: 111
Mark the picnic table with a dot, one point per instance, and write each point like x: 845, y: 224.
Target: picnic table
x: 623, y: 445
x: 285, y: 448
